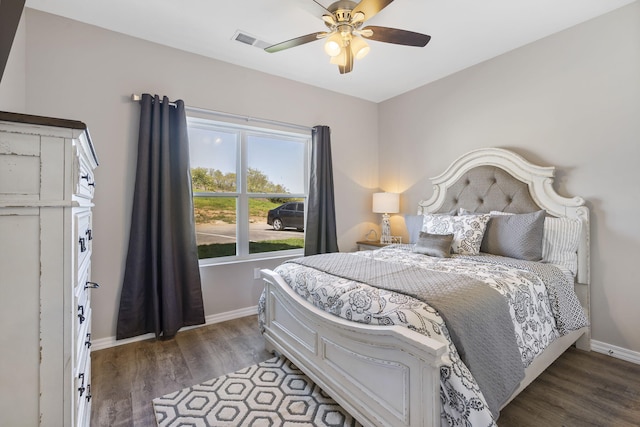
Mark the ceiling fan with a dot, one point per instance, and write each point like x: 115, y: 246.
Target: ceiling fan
x: 345, y: 39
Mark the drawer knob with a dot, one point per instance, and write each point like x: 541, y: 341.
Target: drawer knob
x: 92, y: 184
x: 81, y: 389
x: 88, y: 234
x: 81, y: 314
x: 89, y: 393
x: 83, y: 245
x: 87, y: 341
x: 91, y: 285
x: 85, y: 177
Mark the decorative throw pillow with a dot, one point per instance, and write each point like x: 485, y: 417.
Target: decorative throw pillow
x: 467, y: 230
x: 437, y: 245
x: 515, y: 236
x: 414, y: 226
x: 560, y: 240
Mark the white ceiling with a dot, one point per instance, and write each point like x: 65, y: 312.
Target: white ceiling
x: 464, y: 33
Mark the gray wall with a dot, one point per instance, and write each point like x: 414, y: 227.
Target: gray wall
x: 82, y: 72
x: 13, y: 95
x: 571, y: 100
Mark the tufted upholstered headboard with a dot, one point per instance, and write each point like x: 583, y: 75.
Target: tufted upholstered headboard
x: 488, y: 188
x: 495, y: 179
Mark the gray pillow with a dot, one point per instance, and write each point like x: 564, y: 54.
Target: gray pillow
x: 414, y: 226
x: 515, y: 236
x: 438, y: 245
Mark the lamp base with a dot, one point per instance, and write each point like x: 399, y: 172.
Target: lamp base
x: 385, y: 238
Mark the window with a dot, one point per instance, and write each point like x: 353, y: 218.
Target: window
x: 249, y: 188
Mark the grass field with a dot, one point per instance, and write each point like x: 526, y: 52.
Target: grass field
x: 229, y: 249
x: 213, y: 209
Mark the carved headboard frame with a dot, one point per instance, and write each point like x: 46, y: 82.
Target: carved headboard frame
x: 538, y: 179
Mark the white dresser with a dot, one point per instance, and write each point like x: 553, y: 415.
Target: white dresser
x: 46, y: 191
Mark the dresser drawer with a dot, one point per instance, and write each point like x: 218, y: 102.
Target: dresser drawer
x: 82, y: 331
x: 84, y: 178
x: 83, y: 394
x: 83, y: 236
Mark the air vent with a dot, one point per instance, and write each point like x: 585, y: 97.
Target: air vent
x: 243, y: 37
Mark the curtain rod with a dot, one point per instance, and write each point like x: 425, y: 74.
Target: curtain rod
x: 137, y: 98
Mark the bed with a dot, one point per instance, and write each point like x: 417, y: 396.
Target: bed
x: 388, y: 370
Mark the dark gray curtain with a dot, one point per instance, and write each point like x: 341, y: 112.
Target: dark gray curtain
x: 161, y: 291
x: 320, y: 232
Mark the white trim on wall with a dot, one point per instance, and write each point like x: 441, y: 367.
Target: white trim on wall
x: 109, y: 342
x: 615, y: 351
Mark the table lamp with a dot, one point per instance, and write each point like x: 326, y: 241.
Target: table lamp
x: 386, y: 203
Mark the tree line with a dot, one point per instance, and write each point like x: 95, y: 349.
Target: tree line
x: 213, y: 180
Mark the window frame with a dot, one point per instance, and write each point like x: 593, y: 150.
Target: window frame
x: 242, y: 196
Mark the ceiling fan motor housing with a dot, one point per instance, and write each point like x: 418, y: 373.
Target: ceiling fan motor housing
x: 341, y: 11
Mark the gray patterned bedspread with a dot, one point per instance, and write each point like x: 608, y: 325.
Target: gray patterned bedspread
x: 476, y: 315
x: 542, y: 306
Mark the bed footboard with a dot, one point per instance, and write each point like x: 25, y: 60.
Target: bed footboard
x: 383, y: 376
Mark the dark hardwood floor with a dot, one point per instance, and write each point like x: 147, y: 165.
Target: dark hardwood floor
x: 125, y: 379
x: 580, y: 389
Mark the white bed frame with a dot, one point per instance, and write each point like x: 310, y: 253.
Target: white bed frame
x: 346, y: 358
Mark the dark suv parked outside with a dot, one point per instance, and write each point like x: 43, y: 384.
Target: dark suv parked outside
x: 289, y: 215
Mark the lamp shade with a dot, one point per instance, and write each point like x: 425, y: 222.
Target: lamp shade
x: 359, y: 47
x: 333, y: 45
x: 386, y: 202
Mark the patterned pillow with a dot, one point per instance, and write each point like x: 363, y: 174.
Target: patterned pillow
x: 560, y: 242
x: 467, y: 230
x: 437, y: 245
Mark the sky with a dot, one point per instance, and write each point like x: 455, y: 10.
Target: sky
x: 282, y: 160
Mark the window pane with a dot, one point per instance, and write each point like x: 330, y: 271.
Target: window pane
x: 215, y: 226
x: 272, y: 227
x: 275, y: 165
x: 213, y: 155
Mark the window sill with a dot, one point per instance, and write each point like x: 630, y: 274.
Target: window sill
x: 264, y: 256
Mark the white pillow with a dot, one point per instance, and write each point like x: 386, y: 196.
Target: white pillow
x: 560, y: 240
x: 467, y: 230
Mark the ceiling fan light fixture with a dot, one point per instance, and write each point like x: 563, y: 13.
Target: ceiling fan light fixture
x: 340, y: 59
x: 333, y: 45
x: 359, y: 47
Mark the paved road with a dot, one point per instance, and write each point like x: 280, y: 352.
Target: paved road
x: 226, y: 233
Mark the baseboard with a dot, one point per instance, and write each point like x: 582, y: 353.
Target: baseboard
x: 615, y: 351
x: 109, y: 342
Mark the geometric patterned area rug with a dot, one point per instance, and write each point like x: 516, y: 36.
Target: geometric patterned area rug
x: 271, y: 393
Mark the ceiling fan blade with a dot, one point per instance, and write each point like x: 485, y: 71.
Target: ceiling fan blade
x: 324, y: 9
x: 393, y: 35
x: 370, y: 7
x: 294, y: 42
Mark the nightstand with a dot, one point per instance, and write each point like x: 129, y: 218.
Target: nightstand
x: 367, y: 245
